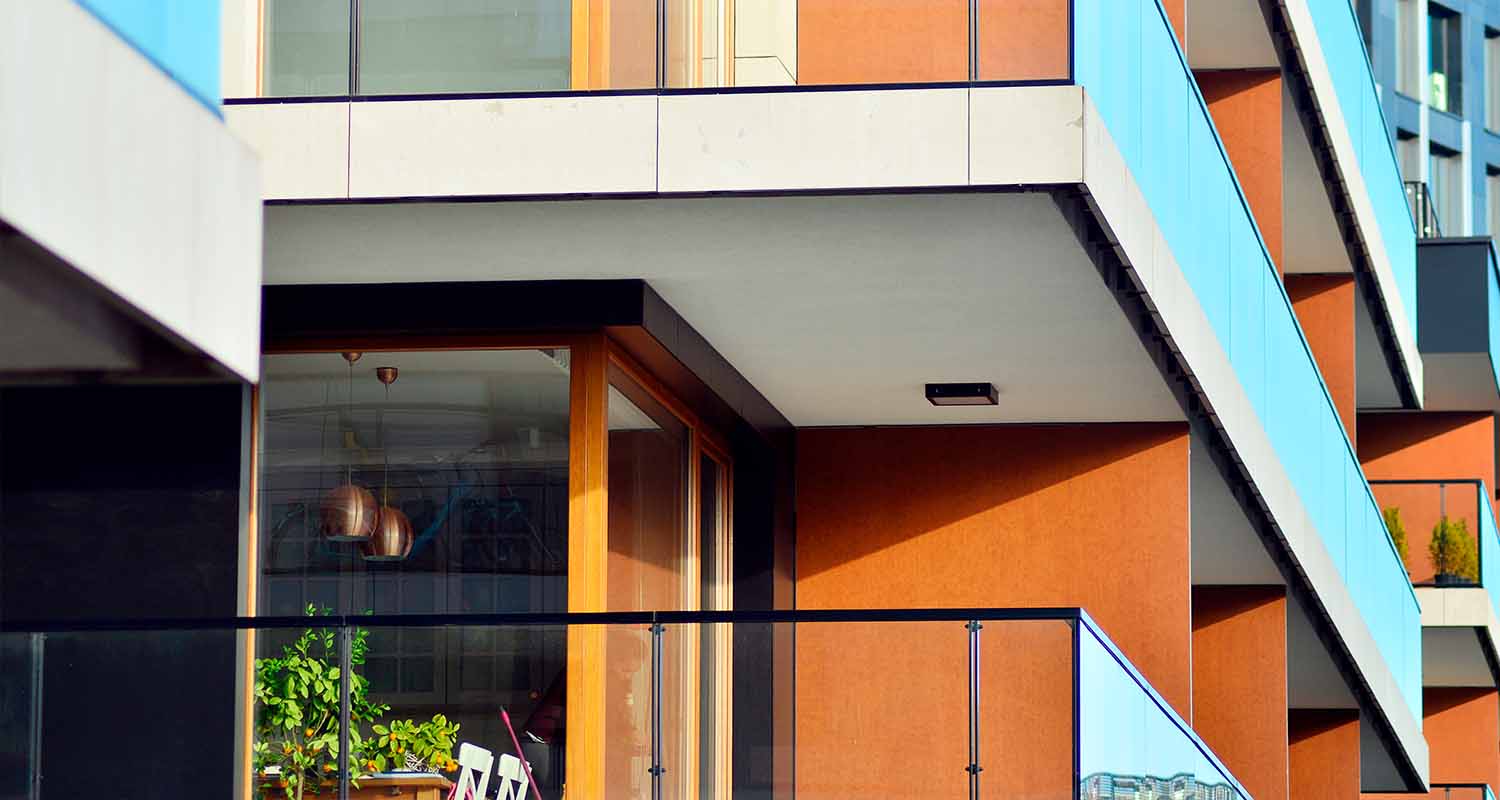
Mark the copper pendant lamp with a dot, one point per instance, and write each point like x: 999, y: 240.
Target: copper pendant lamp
x: 348, y: 512
x: 392, y: 537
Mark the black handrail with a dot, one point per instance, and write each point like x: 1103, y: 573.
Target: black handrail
x: 561, y: 618
x: 1423, y: 212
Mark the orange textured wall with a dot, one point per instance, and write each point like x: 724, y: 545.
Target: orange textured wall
x: 1324, y: 305
x: 895, y: 41
x: 1324, y: 753
x: 1009, y: 515
x: 1029, y: 41
x: 1239, y: 682
x: 1462, y: 727
x: 1428, y: 445
x: 1246, y: 107
x: 1177, y: 13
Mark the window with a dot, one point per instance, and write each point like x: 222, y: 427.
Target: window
x: 1409, y: 154
x: 475, y: 46
x: 1408, y: 49
x: 306, y: 48
x: 1445, y: 184
x: 1445, y: 60
x: 1492, y: 79
x: 1492, y: 199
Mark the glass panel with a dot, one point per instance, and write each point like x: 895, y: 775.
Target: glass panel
x: 306, y: 48
x: 439, y: 688
x: 882, y: 710
x: 1129, y: 744
x: 469, y: 448
x: 1026, y: 707
x: 1023, y: 40
x: 649, y: 553
x: 1436, y: 527
x: 464, y: 46
x: 118, y: 714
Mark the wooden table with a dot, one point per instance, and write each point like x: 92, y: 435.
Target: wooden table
x: 415, y: 787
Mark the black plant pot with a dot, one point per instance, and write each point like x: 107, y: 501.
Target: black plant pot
x: 1451, y: 579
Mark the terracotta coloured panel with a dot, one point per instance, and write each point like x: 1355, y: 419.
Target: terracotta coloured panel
x: 1246, y: 108
x: 1428, y: 445
x: 1462, y: 727
x: 1013, y: 515
x: 1324, y: 305
x: 1324, y: 753
x: 1023, y: 39
x: 882, y: 41
x: 1239, y: 682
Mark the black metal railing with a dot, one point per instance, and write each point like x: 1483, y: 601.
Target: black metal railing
x: 1118, y: 730
x: 1423, y: 212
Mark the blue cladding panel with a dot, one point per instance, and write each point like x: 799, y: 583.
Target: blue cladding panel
x: 179, y: 36
x: 1489, y: 548
x: 1130, y: 64
x: 1343, y: 48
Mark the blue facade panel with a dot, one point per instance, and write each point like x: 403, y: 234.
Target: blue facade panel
x: 180, y: 36
x: 1128, y: 59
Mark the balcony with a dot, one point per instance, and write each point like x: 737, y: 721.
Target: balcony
x: 995, y: 703
x: 1459, y: 292
x: 1423, y: 212
x: 1452, y: 551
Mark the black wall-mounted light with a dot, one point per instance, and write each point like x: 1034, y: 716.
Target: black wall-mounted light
x: 963, y: 394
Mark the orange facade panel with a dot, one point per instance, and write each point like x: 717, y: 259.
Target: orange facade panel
x: 1324, y: 305
x: 1246, y: 108
x: 1240, y: 682
x: 1432, y: 445
x: 925, y: 41
x: 1324, y: 753
x: 1012, y: 515
x: 1462, y: 726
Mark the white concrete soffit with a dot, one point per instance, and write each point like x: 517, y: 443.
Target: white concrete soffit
x: 1129, y: 223
x: 1321, y: 81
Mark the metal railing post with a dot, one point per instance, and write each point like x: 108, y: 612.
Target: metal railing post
x: 346, y: 668
x: 656, y: 768
x: 973, y: 627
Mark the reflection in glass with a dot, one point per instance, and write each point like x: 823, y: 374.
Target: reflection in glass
x: 1128, y: 745
x: 648, y: 554
x: 475, y: 46
x: 477, y: 443
x: 306, y: 48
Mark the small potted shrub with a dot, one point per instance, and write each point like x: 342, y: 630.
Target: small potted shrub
x: 407, y: 746
x: 296, y: 747
x: 1455, y: 558
x: 1397, y: 530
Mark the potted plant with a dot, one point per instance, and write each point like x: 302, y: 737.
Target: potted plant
x: 1397, y: 530
x: 1455, y: 558
x: 296, y: 748
x: 407, y: 746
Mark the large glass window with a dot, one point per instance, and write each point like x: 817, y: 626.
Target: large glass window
x: 1408, y: 49
x: 306, y: 48
x: 465, y: 452
x: 1445, y: 183
x: 1445, y: 59
x: 463, y: 46
x: 1492, y: 79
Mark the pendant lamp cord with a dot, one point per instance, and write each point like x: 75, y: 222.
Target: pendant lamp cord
x: 349, y: 456
x: 385, y: 451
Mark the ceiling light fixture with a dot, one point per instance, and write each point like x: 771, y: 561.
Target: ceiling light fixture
x: 963, y: 394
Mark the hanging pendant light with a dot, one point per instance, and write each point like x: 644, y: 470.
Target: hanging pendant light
x: 392, y: 537
x: 348, y: 512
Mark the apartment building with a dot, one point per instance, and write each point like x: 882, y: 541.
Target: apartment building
x: 808, y: 398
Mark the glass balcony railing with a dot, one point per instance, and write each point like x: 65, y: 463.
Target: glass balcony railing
x: 1461, y: 791
x: 1129, y: 62
x: 393, y: 47
x: 1448, y: 531
x: 977, y: 703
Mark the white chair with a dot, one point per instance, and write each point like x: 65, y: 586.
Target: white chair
x: 473, y: 761
x: 513, y: 783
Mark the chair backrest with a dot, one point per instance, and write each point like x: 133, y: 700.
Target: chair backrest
x: 473, y: 761
x: 513, y: 784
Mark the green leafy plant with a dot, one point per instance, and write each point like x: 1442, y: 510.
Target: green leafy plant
x: 1452, y: 549
x: 296, y: 747
x: 430, y: 742
x: 1397, y: 531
